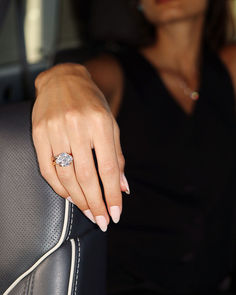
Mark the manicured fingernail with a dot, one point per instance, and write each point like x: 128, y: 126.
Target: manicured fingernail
x: 70, y: 200
x: 102, y: 223
x: 125, y: 182
x: 89, y: 214
x: 115, y: 213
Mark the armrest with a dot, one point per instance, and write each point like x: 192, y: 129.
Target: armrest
x: 47, y: 246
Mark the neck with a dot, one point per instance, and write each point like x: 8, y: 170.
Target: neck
x: 178, y: 46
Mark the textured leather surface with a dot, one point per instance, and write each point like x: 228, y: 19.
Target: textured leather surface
x: 32, y: 216
x: 50, y: 277
x: 91, y: 273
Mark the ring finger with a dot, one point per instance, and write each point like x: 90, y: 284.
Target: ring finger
x: 66, y: 174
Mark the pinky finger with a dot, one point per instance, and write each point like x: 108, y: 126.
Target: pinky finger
x: 120, y: 157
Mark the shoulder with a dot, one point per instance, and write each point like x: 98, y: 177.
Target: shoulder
x: 106, y: 72
x: 228, y: 56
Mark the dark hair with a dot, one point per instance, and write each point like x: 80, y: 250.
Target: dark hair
x: 218, y: 29
x: 218, y: 26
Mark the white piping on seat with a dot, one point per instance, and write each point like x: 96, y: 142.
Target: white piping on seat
x: 77, y: 270
x: 61, y: 240
x: 72, y: 267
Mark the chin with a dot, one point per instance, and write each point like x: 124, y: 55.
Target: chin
x: 170, y: 16
x: 167, y: 11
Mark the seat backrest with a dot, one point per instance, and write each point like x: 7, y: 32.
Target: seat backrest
x: 47, y: 246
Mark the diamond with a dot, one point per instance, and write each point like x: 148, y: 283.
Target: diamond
x: 64, y: 159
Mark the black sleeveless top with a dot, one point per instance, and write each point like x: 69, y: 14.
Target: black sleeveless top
x: 177, y: 229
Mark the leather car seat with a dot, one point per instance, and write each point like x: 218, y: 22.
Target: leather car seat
x: 47, y: 246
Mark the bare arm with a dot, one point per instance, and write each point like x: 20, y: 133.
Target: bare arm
x: 228, y: 55
x: 71, y: 114
x: 107, y: 75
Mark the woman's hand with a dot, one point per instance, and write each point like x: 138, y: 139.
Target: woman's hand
x: 71, y: 115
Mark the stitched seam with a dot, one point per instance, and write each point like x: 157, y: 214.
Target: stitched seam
x: 32, y: 282
x: 77, y: 270
x: 25, y: 286
x: 26, y: 289
x: 73, y: 267
x: 45, y: 255
x: 71, y: 221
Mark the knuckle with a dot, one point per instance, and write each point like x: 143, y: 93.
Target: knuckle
x: 38, y: 129
x: 84, y: 174
x: 71, y: 116
x: 101, y: 117
x: 51, y: 123
x: 54, y: 124
x: 109, y: 168
x: 46, y: 173
x: 121, y: 160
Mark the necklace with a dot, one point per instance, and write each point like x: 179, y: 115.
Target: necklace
x: 192, y: 94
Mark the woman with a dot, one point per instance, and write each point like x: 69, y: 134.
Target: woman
x: 174, y: 101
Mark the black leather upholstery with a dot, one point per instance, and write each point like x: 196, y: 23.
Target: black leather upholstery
x: 36, y: 222
x: 39, y: 281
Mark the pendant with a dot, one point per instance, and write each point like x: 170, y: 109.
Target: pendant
x: 194, y: 95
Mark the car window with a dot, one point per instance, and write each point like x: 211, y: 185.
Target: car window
x: 48, y: 27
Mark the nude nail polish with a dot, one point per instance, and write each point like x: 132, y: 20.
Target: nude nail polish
x: 125, y: 182
x: 89, y: 214
x: 101, y: 222
x: 115, y: 213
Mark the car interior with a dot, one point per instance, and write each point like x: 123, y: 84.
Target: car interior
x: 46, y: 245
